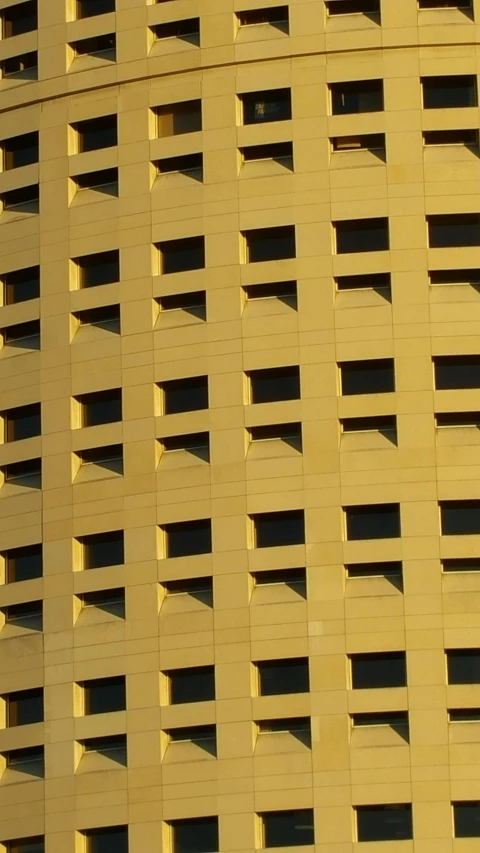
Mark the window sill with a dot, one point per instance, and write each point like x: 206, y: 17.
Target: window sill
x: 92, y: 62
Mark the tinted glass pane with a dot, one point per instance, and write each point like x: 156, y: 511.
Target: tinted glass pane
x: 384, y: 823
x: 199, y: 835
x: 101, y: 268
x: 467, y: 819
x: 103, y: 407
x: 380, y: 521
x: 448, y: 92
x: 270, y: 244
x: 23, y: 564
x: 112, y: 839
x: 460, y: 518
x: 379, y: 670
x: 26, y: 845
x: 104, y: 549
x: 188, y: 538
x: 105, y: 694
x: 463, y: 666
x: 20, y: 150
x: 454, y: 230
x: 261, y: 107
x: 20, y: 19
x: 363, y: 96
x: 185, y: 395
x: 362, y: 235
x: 97, y: 133
x: 195, y: 684
x: 21, y: 285
x: 183, y: 255
x: 460, y: 371
x: 278, y: 384
x: 25, y: 707
x: 279, y: 528
x: 375, y: 376
x: 23, y: 422
x: 88, y: 8
x: 285, y: 676
x: 289, y: 828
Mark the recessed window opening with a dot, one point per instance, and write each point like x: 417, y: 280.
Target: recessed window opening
x: 21, y: 285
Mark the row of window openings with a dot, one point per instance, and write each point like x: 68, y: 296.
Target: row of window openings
x: 286, y: 828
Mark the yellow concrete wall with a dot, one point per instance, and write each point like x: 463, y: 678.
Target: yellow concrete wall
x: 339, y: 616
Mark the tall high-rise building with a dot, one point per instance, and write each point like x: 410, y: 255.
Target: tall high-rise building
x: 240, y: 426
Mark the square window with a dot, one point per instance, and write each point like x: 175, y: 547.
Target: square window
x: 109, y: 600
x: 449, y: 92
x: 456, y: 371
x: 191, y: 684
x: 460, y: 518
x: 23, y: 564
x: 108, y: 839
x: 24, y: 707
x: 195, y: 835
x: 28, y: 615
x: 453, y: 230
x: 271, y: 105
x: 185, y: 395
x: 22, y: 335
x: 276, y: 677
x: 378, y: 670
x: 96, y: 133
x: 103, y: 549
x: 101, y: 407
x: 373, y: 521
x: 34, y: 844
x: 105, y: 180
x: 188, y: 538
x: 104, y: 695
x: 21, y: 150
x: 187, y: 164
x: 22, y: 422
x: 104, y: 47
x: 107, y: 317
x: 362, y: 235
x: 269, y: 244
x: 357, y: 96
x: 89, y: 8
x: 390, y: 822
x: 21, y: 285
x: 187, y: 29
x: 276, y: 16
x: 372, y: 376
x: 463, y: 666
x: 200, y: 589
x: 22, y: 67
x: 176, y: 119
x: 292, y: 828
x: 23, y: 200
x: 30, y: 760
x: 97, y: 269
x: 26, y: 474
x: 113, y: 747
x: 273, y: 529
x: 182, y: 255
x: 274, y: 384
x: 19, y: 19
x: 466, y: 818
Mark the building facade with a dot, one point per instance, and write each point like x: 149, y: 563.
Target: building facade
x: 240, y: 412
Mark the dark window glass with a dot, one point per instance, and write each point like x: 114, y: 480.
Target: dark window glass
x: 458, y: 419
x: 20, y: 150
x: 279, y: 528
x: 453, y: 230
x: 195, y: 835
x: 20, y: 19
x: 464, y: 715
x: 110, y: 600
x: 376, y: 281
x: 184, y: 164
x: 467, y: 137
x: 198, y: 588
x: 462, y: 564
x: 364, y: 142
x: 460, y: 518
x: 293, y: 578
x: 279, y: 151
x: 381, y: 718
x: 109, y: 457
x: 101, y: 268
x: 290, y: 828
x: 289, y: 433
x: 273, y: 384
x: 187, y: 29
x: 197, y: 443
x: 353, y: 7
x: 261, y: 107
x: 25, y: 199
x: 193, y: 684
x: 23, y: 335
x: 466, y: 817
x: 97, y: 133
x: 449, y: 92
x: 378, y: 669
x: 185, y: 395
x: 101, y: 407
x: 27, y: 474
x: 292, y: 725
x: 357, y: 96
x: 273, y: 15
x: 96, y: 46
x: 374, y: 521
x: 362, y: 235
x: 34, y: 844
x: 276, y: 677
x: 379, y: 423
x: 204, y: 736
x: 23, y: 66
x: 24, y: 707
x: 107, y: 317
x: 21, y: 285
x: 183, y: 117
x: 30, y: 760
x: 270, y: 244
x: 103, y: 549
x: 22, y: 422
x: 374, y: 376
x: 103, y: 695
x: 23, y: 564
x: 182, y: 255
x: 186, y: 301
x: 384, y: 823
x: 187, y: 538
x: 286, y: 291
x: 110, y: 839
x: 391, y: 569
x: 89, y: 8
x: 457, y: 371
x: 28, y: 615
x: 105, y: 180
x: 465, y: 276
x: 463, y: 666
